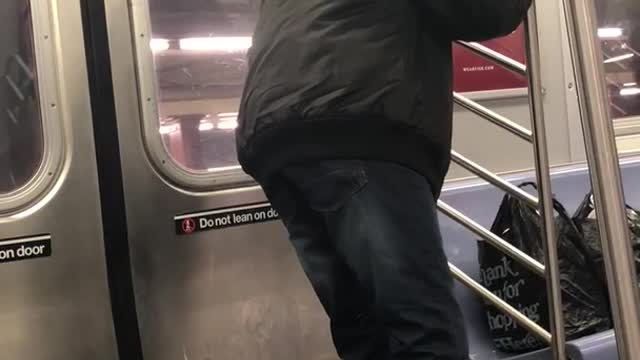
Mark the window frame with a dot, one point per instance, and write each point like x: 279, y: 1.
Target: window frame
x: 627, y: 129
x: 47, y: 80
x: 204, y: 181
x: 157, y: 151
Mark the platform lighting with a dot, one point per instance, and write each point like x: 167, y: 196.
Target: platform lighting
x: 217, y: 43
x: 610, y: 33
x: 207, y: 126
x: 619, y: 58
x: 630, y: 91
x: 158, y: 45
x: 168, y: 129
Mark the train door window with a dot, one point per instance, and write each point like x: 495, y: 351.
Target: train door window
x: 30, y: 140
x: 191, y: 58
x: 619, y: 31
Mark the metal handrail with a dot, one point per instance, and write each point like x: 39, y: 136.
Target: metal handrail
x: 493, y: 239
x: 17, y: 86
x: 23, y: 66
x: 493, y: 117
x: 496, y: 57
x: 14, y: 87
x: 503, y: 306
x: 537, y: 136
x: 12, y: 116
x: 605, y: 175
x: 543, y: 174
x: 634, y: 51
x: 494, y: 179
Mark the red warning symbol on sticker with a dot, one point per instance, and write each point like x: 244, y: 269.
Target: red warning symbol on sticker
x: 188, y: 226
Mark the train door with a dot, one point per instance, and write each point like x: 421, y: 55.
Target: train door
x: 214, y: 276
x: 54, y: 302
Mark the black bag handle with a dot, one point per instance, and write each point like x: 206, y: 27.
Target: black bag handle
x: 503, y: 214
x: 577, y: 240
x: 584, y: 209
x: 587, y: 206
x: 564, y: 215
x: 588, y: 201
x: 557, y: 206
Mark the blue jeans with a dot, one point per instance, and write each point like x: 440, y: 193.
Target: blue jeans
x: 367, y: 236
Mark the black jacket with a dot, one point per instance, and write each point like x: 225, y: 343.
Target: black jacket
x: 359, y: 79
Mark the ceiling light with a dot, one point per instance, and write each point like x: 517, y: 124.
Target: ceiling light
x: 630, y: 91
x: 158, y: 45
x: 619, y: 58
x: 228, y: 124
x: 610, y: 33
x: 630, y: 84
x: 168, y: 129
x: 228, y: 44
x: 205, y: 126
x: 224, y: 168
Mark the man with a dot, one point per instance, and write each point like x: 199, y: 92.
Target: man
x: 346, y: 123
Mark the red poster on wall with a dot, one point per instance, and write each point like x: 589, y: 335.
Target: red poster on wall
x: 473, y: 73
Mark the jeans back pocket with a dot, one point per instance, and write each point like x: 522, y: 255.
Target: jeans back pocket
x: 328, y: 185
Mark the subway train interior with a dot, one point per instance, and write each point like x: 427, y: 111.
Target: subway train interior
x: 129, y: 231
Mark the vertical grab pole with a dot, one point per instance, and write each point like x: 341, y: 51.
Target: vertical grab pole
x: 554, y: 291
x: 605, y: 174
